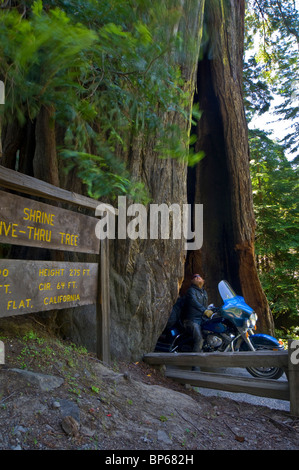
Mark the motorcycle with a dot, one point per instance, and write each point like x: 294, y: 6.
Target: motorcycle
x: 230, y: 328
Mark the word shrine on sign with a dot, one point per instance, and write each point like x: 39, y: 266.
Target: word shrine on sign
x: 32, y: 223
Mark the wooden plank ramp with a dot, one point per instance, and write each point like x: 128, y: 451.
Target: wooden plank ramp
x: 179, y: 368
x: 260, y: 387
x: 223, y: 359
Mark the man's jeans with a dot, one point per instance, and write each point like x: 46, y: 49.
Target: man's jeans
x: 194, y: 329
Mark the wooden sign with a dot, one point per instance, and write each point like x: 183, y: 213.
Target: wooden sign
x: 31, y: 223
x: 36, y: 286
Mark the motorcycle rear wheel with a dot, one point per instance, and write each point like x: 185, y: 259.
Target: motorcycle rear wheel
x: 265, y: 372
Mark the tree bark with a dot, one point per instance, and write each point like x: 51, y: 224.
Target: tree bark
x: 222, y: 178
x: 45, y: 164
x: 146, y: 275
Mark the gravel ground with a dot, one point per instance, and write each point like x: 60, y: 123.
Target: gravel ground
x: 55, y: 396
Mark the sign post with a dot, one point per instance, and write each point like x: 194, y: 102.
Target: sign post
x: 29, y: 286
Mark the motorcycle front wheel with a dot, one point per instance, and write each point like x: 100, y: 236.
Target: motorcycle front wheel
x: 265, y: 372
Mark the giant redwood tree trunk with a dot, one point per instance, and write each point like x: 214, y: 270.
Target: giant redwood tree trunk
x: 146, y: 274
x: 221, y: 180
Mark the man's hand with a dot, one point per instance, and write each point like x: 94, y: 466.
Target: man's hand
x: 208, y: 313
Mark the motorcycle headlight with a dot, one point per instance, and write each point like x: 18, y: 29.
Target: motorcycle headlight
x: 253, y: 319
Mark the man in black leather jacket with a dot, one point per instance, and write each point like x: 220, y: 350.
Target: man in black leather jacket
x: 195, y: 308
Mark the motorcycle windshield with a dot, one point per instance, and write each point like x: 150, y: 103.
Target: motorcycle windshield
x: 237, y: 305
x: 231, y: 300
x: 226, y: 291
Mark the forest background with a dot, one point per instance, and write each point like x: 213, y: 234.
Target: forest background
x: 272, y: 83
x: 96, y: 68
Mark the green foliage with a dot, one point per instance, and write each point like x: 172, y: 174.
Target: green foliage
x: 276, y: 196
x: 108, y: 69
x: 273, y: 66
x: 41, y: 57
x: 271, y: 71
